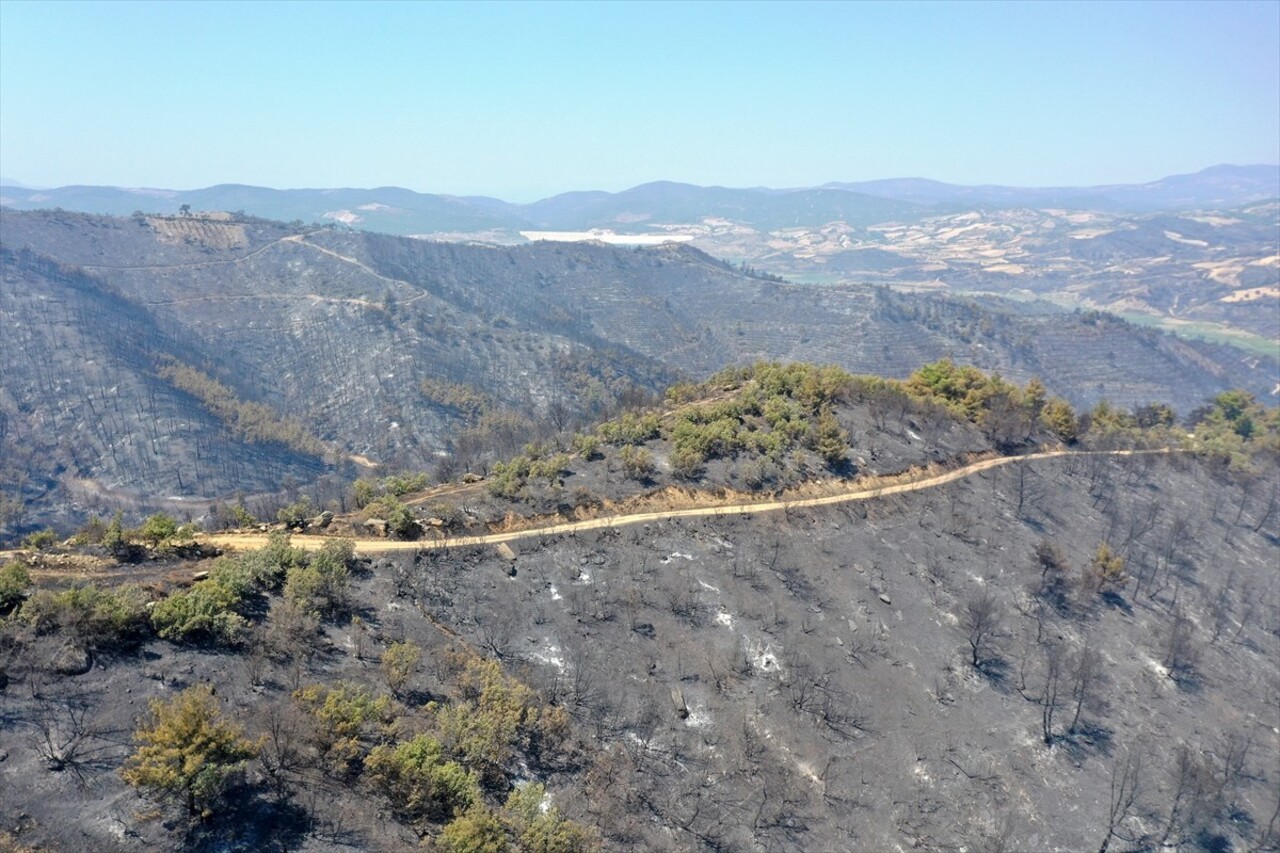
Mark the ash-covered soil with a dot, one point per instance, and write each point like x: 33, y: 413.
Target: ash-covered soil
x: 799, y: 681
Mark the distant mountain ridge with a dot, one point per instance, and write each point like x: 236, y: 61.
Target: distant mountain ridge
x: 396, y: 210
x: 1216, y: 186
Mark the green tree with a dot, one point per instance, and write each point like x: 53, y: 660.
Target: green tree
x: 157, y: 529
x: 113, y: 537
x: 345, y: 716
x: 399, y: 661
x: 828, y: 440
x: 1106, y: 569
x: 188, y: 751
x: 477, y: 831
x: 541, y: 828
x: 420, y: 783
x: 1060, y: 419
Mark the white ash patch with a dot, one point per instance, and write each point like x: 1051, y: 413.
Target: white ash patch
x: 699, y: 718
x: 708, y: 586
x: 555, y: 593
x: 674, y: 555
x: 724, y: 618
x: 763, y: 657
x: 550, y: 654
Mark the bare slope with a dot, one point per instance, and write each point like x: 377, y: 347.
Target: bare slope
x: 388, y: 349
x: 796, y: 680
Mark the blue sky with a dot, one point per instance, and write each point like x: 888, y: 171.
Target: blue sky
x: 528, y: 99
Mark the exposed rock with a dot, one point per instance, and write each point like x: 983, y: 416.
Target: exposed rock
x: 506, y: 552
x: 71, y: 659
x: 682, y: 707
x: 377, y: 525
x: 471, y: 478
x: 435, y: 522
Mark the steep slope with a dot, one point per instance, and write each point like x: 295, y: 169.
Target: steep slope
x: 960, y: 666
x: 391, y: 349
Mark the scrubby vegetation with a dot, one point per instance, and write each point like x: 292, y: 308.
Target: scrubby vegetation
x: 774, y: 655
x: 188, y: 752
x: 251, y: 422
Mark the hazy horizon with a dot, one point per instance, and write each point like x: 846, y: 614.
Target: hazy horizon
x: 524, y: 101
x: 6, y: 180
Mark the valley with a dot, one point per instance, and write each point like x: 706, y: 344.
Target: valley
x: 413, y: 354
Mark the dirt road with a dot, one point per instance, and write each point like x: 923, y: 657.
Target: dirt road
x: 237, y: 541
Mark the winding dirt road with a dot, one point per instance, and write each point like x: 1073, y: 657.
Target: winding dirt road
x: 249, y: 541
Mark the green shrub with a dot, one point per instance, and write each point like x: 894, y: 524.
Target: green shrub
x: 420, y: 782
x: 297, y: 513
x: 268, y: 566
x: 586, y: 446
x: 204, y: 613
x: 158, y: 529
x: 40, y: 540
x: 320, y: 586
x: 14, y: 581
x: 92, y: 533
x: 708, y: 439
x: 399, y: 517
x: 403, y: 484
x: 637, y: 462
x: 631, y: 428
x: 399, y: 662
x: 345, y: 716
x: 99, y: 618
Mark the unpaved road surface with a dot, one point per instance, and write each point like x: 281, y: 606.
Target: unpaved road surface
x: 249, y: 541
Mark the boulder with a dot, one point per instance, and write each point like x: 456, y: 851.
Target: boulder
x: 506, y: 552
x: 71, y: 659
x: 322, y: 520
x: 471, y: 478
x: 377, y: 525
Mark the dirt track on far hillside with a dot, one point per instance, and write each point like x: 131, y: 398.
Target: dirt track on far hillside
x: 249, y: 541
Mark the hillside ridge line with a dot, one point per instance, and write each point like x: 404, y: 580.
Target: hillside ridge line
x: 235, y: 541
